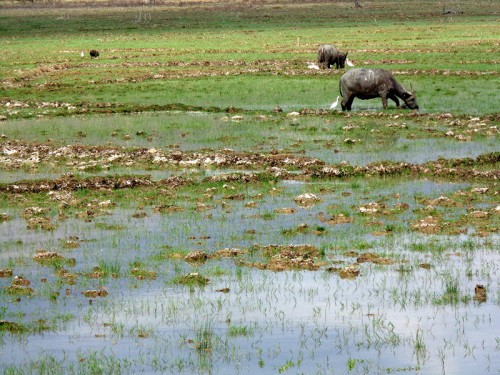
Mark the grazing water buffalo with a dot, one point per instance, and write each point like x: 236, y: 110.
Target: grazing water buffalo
x: 373, y: 83
x: 328, y: 56
x: 94, y: 54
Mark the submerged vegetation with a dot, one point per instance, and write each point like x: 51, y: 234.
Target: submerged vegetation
x: 186, y: 202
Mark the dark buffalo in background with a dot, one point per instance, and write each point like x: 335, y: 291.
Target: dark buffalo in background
x: 328, y: 56
x: 94, y: 54
x: 373, y: 83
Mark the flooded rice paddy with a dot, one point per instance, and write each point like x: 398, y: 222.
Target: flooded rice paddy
x: 339, y: 246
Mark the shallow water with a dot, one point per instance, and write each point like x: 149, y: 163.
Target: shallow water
x: 315, y: 320
x: 411, y: 151
x: 390, y: 318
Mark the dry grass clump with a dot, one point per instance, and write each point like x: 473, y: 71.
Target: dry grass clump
x: 95, y: 293
x: 191, y: 279
x: 20, y: 287
x: 6, y: 272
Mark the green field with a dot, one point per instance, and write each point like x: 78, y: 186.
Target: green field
x: 188, y: 203
x: 248, y: 57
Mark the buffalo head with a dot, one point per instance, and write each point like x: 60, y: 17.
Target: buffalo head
x: 341, y: 58
x: 410, y: 100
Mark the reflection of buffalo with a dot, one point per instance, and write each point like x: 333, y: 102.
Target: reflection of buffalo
x: 94, y: 54
x: 328, y: 56
x: 373, y: 83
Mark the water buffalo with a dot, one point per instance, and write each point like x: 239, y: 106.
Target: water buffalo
x: 94, y: 54
x: 328, y: 56
x: 373, y: 83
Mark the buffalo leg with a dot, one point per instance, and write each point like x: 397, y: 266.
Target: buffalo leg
x: 395, y: 99
x: 347, y: 103
x: 331, y: 63
x: 343, y: 104
x: 384, y: 101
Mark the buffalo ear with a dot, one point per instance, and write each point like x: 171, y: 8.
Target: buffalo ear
x: 346, y: 54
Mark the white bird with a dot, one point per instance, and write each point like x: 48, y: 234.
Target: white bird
x: 336, y: 103
x: 82, y: 54
x: 349, y: 63
x: 7, y: 151
x: 312, y: 66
